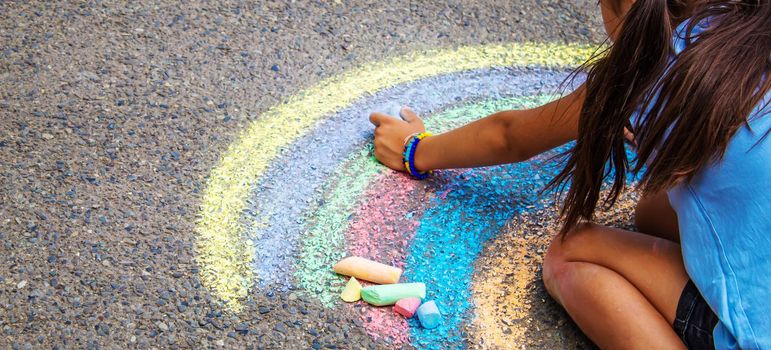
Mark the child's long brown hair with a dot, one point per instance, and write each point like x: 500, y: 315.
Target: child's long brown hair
x: 704, y: 96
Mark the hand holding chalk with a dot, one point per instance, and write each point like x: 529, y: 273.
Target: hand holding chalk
x: 390, y: 133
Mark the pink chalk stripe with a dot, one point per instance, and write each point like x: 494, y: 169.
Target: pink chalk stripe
x: 381, y: 231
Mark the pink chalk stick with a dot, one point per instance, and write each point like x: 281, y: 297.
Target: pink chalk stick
x: 407, y: 306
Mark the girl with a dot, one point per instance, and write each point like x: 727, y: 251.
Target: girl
x: 687, y: 81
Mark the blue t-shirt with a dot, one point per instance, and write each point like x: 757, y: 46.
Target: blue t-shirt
x: 724, y: 216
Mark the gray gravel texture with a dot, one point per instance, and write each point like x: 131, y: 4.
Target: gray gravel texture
x: 111, y: 116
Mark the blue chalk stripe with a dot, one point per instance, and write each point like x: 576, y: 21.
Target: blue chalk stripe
x: 453, y: 231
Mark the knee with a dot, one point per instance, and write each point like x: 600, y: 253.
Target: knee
x: 563, y: 250
x: 553, y: 270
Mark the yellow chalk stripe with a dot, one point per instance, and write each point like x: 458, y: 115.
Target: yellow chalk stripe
x: 500, y: 293
x: 509, y: 264
x: 222, y: 252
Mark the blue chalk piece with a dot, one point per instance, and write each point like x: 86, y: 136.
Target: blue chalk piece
x: 429, y: 315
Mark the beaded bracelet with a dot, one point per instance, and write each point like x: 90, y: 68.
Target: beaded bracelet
x: 408, y: 138
x: 409, y: 156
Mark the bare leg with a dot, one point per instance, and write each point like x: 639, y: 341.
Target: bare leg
x: 655, y: 216
x: 620, y: 287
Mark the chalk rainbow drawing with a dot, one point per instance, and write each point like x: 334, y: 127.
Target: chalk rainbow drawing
x: 299, y: 188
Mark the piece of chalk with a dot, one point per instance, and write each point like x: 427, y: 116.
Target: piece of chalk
x: 407, y: 306
x: 368, y: 270
x: 352, y: 291
x: 389, y: 294
x: 429, y: 315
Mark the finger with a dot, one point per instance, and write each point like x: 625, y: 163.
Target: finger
x: 377, y: 118
x: 408, y: 114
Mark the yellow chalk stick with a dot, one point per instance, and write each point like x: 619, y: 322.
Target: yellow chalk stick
x: 368, y: 270
x: 352, y: 291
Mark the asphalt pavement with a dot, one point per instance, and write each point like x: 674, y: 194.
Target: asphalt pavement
x: 114, y: 113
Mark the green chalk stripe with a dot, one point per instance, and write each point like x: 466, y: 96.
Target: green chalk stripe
x: 389, y: 294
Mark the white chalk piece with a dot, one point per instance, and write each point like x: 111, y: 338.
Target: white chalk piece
x: 390, y: 108
x: 429, y: 315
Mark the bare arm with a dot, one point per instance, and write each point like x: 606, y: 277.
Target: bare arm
x: 503, y: 137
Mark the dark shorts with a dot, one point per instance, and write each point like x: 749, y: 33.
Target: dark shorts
x: 694, y: 320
